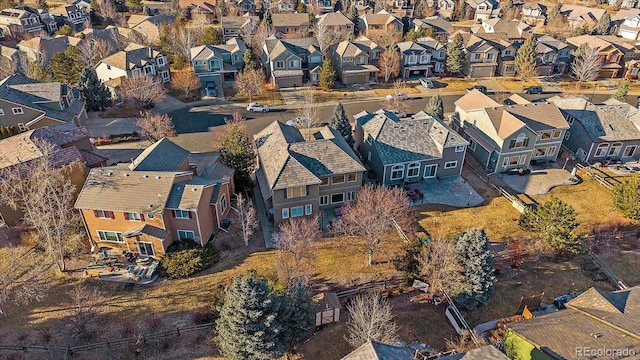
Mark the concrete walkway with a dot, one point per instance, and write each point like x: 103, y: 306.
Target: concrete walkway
x: 452, y: 191
x: 265, y: 225
x: 538, y: 182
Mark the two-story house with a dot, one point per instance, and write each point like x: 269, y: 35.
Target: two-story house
x: 553, y: 56
x: 335, y: 22
x: 581, y: 16
x: 285, y: 6
x: 442, y: 27
x: 28, y: 104
x: 71, y: 14
x: 232, y: 25
x: 324, y: 6
x: 600, y: 132
x: 134, y: 60
x: 41, y: 49
x: 218, y: 63
x: 363, y: 6
x: 289, y: 61
x: 610, y: 50
x: 355, y: 61
x: 304, y: 173
x: 630, y: 28
x: 410, y: 150
x: 15, y: 22
x: 204, y: 8
x: 421, y: 58
x: 381, y: 21
x: 445, y: 8
x: 166, y: 194
x: 481, y: 56
x: 483, y: 9
x: 534, y: 13
x: 249, y: 6
x: 149, y: 26
x: 516, y: 31
x: 291, y: 25
x: 506, y: 137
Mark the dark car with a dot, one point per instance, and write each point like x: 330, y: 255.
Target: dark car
x: 533, y: 90
x: 481, y: 88
x: 211, y: 89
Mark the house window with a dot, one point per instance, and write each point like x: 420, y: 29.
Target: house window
x: 1, y: 112
x: 285, y: 213
x: 352, y: 177
x: 160, y: 61
x: 361, y: 60
x: 521, y: 141
x: 135, y: 72
x: 601, y: 150
x: 397, y: 172
x: 110, y: 236
x: 450, y: 164
x: 308, y: 209
x: 567, y: 134
x: 514, y: 160
x: 21, y: 127
x: 540, y: 152
x: 490, y: 56
x: 102, y: 214
x: 369, y: 156
x: 375, y: 54
x: 186, y: 235
x: 413, y: 59
x: 615, y: 149
x: 472, y: 144
x: 324, y: 181
x: 146, y: 249
x: 430, y: 171
x: 279, y: 64
x: 297, y: 191
x: 551, y: 151
x: 223, y: 203
x: 351, y: 195
x: 315, y: 59
x: 413, y: 170
x: 337, y: 179
x: 337, y: 198
x: 294, y: 63
x: 347, y: 60
x: 324, y: 200
x: 148, y: 70
x: 460, y: 148
x: 476, y: 56
x: 507, y: 53
x: 133, y: 216
x: 17, y: 111
x: 181, y: 214
x: 297, y: 211
x: 424, y: 58
x: 545, y: 135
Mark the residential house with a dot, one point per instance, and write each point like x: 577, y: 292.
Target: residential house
x: 442, y: 27
x: 109, y: 36
x: 70, y: 147
x: 28, y: 104
x: 305, y: 172
x: 483, y: 9
x: 517, y: 31
x: 410, y: 150
x: 218, y: 63
x: 600, y: 132
x: 486, y: 352
x: 618, y: 18
x: 400, y: 8
x: 324, y: 6
x: 149, y: 26
x: 381, y: 21
x: 581, y: 16
x: 613, y: 52
x: 294, y: 25
x: 630, y: 28
x: 249, y: 6
x: 445, y: 8
x: 134, y: 60
x: 553, y: 56
x: 363, y: 6
x: 421, y: 58
x: 286, y: 6
x: 203, y: 8
x: 83, y: 4
x: 232, y: 25
x: 335, y: 23
x: 594, y: 325
x: 507, y: 137
x: 72, y: 15
x: 481, y: 55
x: 534, y: 13
x: 166, y: 194
x: 355, y: 61
x: 9, y: 58
x: 624, y: 4
x: 41, y: 49
x: 49, y: 21
x: 373, y: 350
x: 289, y: 61
x: 15, y: 22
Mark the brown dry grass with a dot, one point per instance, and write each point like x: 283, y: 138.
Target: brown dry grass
x: 627, y: 266
x: 267, y: 97
x: 409, y: 90
x: 515, y: 83
x: 454, y: 84
x: 320, y: 96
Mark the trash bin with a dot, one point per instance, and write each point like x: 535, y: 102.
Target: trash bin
x: 225, y: 223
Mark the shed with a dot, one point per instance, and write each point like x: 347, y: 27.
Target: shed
x: 328, y: 308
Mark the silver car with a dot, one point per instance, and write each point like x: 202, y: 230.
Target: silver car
x: 255, y: 107
x: 397, y: 96
x: 426, y: 83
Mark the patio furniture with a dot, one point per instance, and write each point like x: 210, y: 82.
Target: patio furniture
x: 152, y: 269
x: 414, y: 197
x: 420, y: 195
x: 92, y: 274
x: 144, y: 261
x: 338, y: 211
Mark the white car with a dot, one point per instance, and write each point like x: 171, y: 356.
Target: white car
x: 400, y: 113
x: 399, y: 96
x: 255, y: 107
x: 426, y: 83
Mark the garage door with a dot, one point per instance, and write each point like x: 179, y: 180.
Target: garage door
x: 481, y: 71
x: 285, y: 82
x: 355, y: 79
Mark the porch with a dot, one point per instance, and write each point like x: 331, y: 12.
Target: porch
x: 453, y: 191
x: 540, y: 180
x: 122, y: 266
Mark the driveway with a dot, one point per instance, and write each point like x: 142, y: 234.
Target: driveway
x: 538, y: 182
x: 109, y: 126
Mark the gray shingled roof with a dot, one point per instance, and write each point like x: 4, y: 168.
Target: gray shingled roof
x: 206, y: 52
x: 374, y: 350
x: 298, y: 46
x: 145, y: 229
x: 421, y: 45
x: 163, y: 155
x: 487, y: 352
x: 186, y: 195
x: 538, y: 116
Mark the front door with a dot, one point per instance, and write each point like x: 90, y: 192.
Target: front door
x: 146, y: 249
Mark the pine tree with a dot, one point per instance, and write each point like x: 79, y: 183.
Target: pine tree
x: 554, y: 12
x: 340, y: 121
x: 455, y: 55
x: 435, y: 107
x: 478, y: 279
x: 604, y: 24
x: 299, y: 323
x: 626, y: 197
x: 237, y: 153
x: 251, y: 61
x: 301, y: 7
x: 211, y: 36
x: 248, y: 327
x: 525, y: 62
x: 623, y: 90
x: 4, y: 132
x: 355, y: 18
x: 42, y: 5
x: 327, y: 76
x: 266, y: 18
x: 430, y: 32
x: 413, y: 34
x: 338, y: 6
x: 65, y: 66
x: 64, y: 30
x: 554, y: 222
x: 506, y: 7
x: 94, y: 92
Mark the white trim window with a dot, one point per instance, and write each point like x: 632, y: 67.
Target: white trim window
x: 412, y: 59
x: 296, y: 191
x: 223, y: 203
x: 521, y: 141
x: 1, y: 112
x: 337, y: 179
x: 546, y: 135
x: 308, y: 209
x: 181, y: 214
x: 21, y: 127
x: 556, y: 134
x: 133, y: 216
x: 551, y: 151
x: 397, y: 172
x: 324, y: 200
x: 17, y: 111
x: 146, y: 249
x: 352, y: 177
x: 337, y: 198
x: 522, y: 159
x: 297, y: 211
x: 601, y: 150
x: 285, y: 213
x: 110, y: 236
x: 459, y: 148
x: 615, y: 149
x: 430, y: 171
x: 424, y: 58
x: 450, y: 164
x: 324, y: 181
x: 160, y: 61
x: 186, y: 235
x: 413, y: 170
x: 351, y: 195
x: 629, y: 150
x: 279, y: 64
x: 368, y: 155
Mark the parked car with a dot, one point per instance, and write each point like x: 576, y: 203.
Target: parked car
x: 211, y: 89
x: 533, y: 90
x: 400, y: 113
x: 426, y: 83
x: 255, y: 107
x: 398, y: 96
x: 481, y: 88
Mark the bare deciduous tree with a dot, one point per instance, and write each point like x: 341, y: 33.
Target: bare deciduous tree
x: 144, y: 90
x: 308, y: 113
x: 187, y: 81
x: 294, y: 245
x: 439, y: 266
x: 385, y: 38
x: 558, y: 27
x: 261, y: 35
x: 85, y: 306
x: 370, y: 318
x: 7, y: 67
x: 247, y: 217
x: 395, y: 103
x: 327, y: 35
x: 249, y: 82
x: 586, y: 67
x: 373, y: 216
x: 108, y: 10
x: 92, y: 51
x: 389, y: 64
x: 249, y: 32
x: 154, y: 127
x: 183, y: 39
x: 41, y: 190
x: 25, y: 276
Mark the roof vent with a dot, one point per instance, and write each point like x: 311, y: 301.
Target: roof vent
x: 126, y: 175
x: 612, y: 127
x: 194, y: 189
x: 597, y: 336
x: 157, y: 177
x: 145, y: 176
x: 159, y: 195
x: 109, y: 173
x: 150, y: 206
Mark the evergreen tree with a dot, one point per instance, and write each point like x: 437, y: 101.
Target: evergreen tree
x: 94, y: 93
x: 327, y: 76
x: 64, y: 30
x: 435, y: 107
x: 340, y: 121
x: 237, y: 153
x: 298, y: 323
x: 554, y: 222
x: 478, y: 279
x: 94, y: 6
x: 455, y: 55
x: 251, y: 61
x: 604, y: 24
x: 525, y: 62
x: 4, y: 132
x: 430, y: 32
x: 506, y: 7
x: 355, y: 18
x: 554, y: 12
x: 626, y: 197
x: 301, y: 7
x: 42, y: 5
x: 266, y: 18
x: 65, y: 66
x: 413, y: 34
x: 134, y: 5
x: 338, y: 6
x: 580, y: 50
x: 211, y: 36
x: 623, y: 90
x: 248, y: 326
